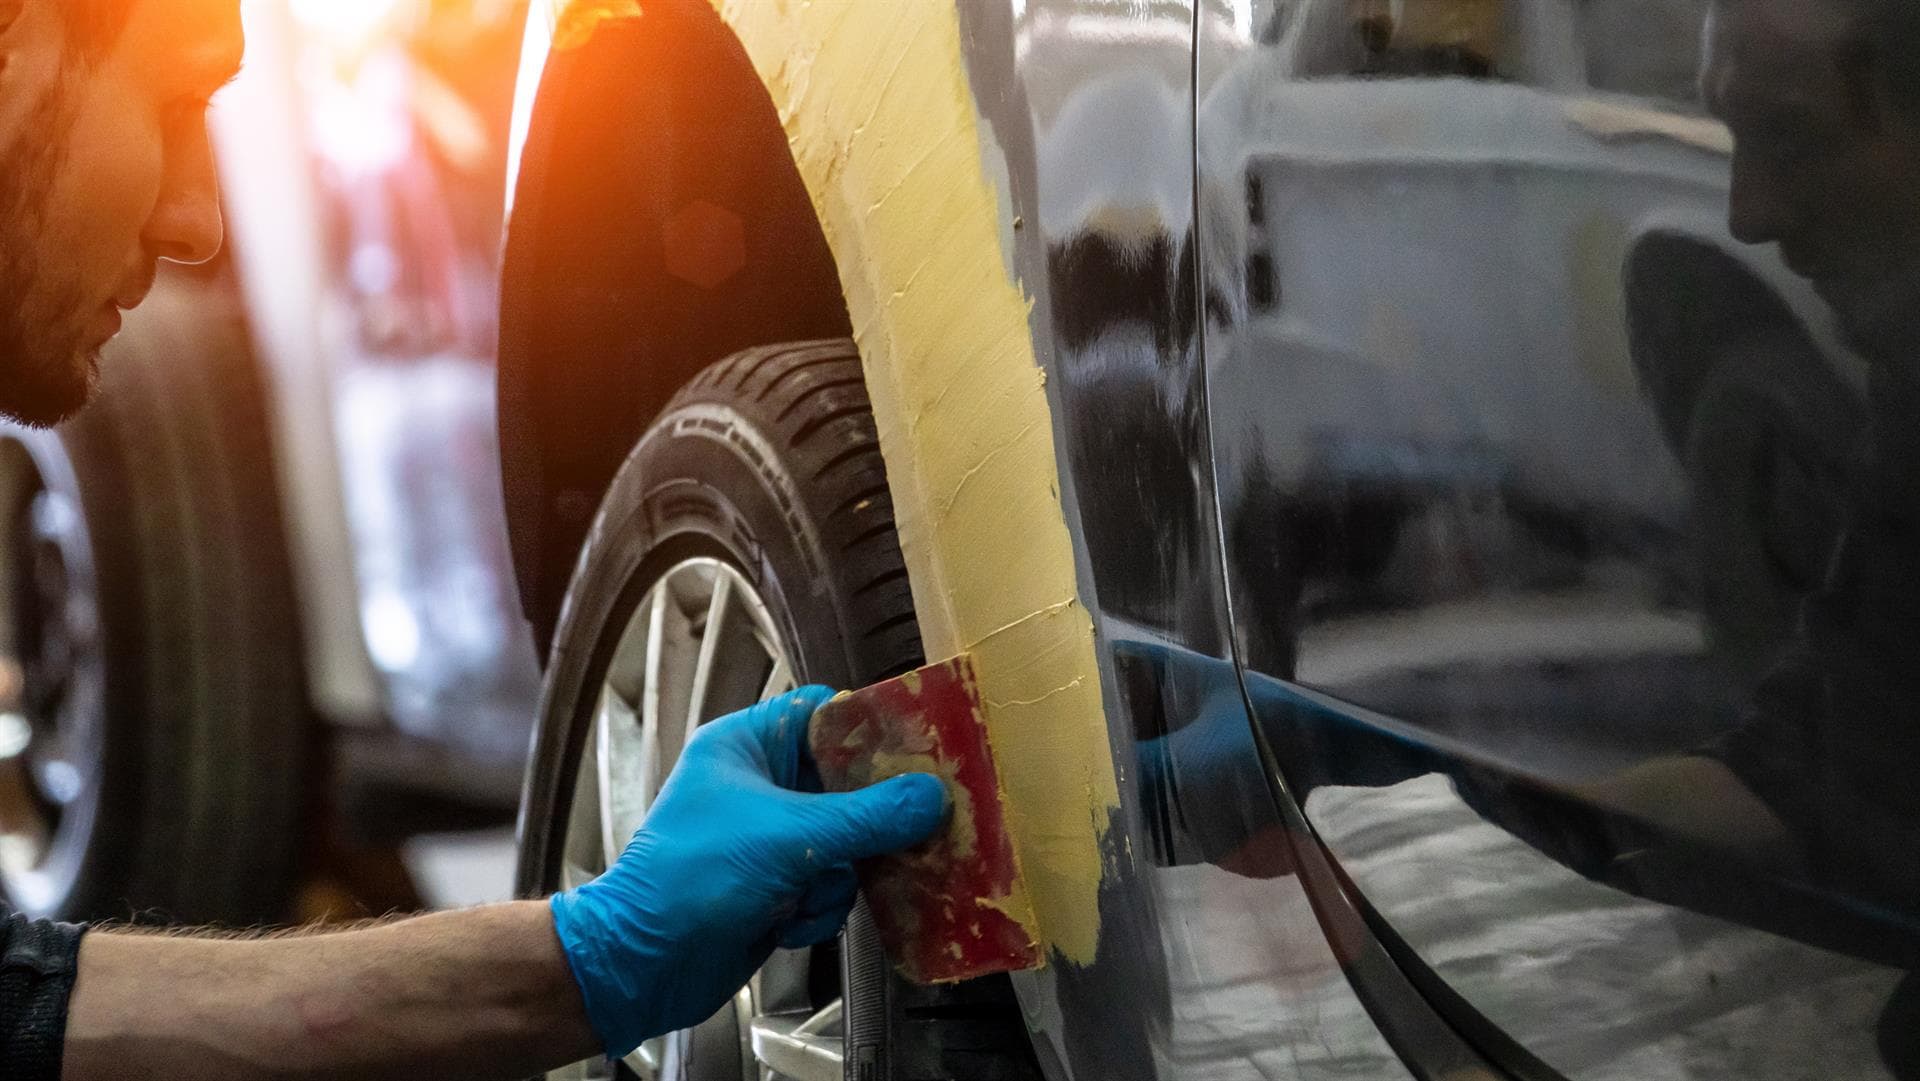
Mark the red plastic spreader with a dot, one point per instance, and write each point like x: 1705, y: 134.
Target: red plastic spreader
x: 954, y: 907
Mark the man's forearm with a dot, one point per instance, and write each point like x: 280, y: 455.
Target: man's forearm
x: 1700, y: 799
x: 484, y: 993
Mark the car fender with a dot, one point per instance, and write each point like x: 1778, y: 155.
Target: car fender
x: 911, y: 193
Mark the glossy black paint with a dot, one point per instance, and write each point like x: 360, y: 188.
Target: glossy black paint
x: 1211, y: 960
x: 1106, y: 330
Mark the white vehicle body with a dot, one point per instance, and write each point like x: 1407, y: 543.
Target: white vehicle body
x: 388, y: 479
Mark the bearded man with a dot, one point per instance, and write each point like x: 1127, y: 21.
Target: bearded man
x: 106, y: 169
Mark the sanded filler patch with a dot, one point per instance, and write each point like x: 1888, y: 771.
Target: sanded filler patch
x: 881, y: 120
x: 955, y: 907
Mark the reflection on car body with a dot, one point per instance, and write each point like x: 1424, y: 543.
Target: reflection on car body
x: 1474, y: 247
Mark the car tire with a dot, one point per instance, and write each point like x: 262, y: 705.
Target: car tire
x: 149, y: 601
x: 768, y: 463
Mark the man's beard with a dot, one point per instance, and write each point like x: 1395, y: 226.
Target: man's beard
x: 47, y: 368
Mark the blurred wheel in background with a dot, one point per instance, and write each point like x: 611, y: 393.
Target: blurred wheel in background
x: 50, y: 685
x: 153, y: 732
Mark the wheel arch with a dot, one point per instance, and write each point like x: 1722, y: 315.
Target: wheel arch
x: 878, y: 107
x: 659, y: 223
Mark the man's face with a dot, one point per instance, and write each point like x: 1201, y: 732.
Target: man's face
x: 105, y: 168
x: 1825, y: 162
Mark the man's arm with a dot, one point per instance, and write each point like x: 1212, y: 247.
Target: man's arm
x: 734, y: 859
x: 484, y: 993
x: 1702, y: 800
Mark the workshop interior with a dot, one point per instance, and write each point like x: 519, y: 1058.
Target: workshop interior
x: 1396, y: 522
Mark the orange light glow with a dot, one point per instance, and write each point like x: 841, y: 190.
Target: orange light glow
x: 345, y: 20
x: 581, y: 19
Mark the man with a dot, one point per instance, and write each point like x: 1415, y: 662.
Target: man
x: 1819, y: 783
x: 1823, y: 99
x: 105, y: 169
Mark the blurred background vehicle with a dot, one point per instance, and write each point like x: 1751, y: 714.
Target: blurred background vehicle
x: 259, y: 596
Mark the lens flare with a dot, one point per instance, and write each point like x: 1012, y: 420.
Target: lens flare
x: 350, y: 20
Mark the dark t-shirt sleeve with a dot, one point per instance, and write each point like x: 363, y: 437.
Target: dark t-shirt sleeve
x: 1778, y: 751
x: 37, y: 959
x: 1832, y: 742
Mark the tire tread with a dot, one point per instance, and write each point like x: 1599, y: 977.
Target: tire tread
x: 808, y: 400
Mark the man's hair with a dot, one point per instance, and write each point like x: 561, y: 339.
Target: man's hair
x: 94, y: 25
x: 1881, y: 50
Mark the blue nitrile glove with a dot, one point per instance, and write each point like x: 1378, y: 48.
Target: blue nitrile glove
x: 732, y: 860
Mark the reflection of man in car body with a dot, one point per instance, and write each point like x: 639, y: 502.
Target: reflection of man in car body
x: 1825, y: 110
x: 1823, y: 99
x: 1818, y: 784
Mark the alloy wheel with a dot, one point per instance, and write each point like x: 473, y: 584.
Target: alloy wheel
x: 700, y: 644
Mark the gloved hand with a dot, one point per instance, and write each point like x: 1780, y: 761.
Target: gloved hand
x: 732, y: 860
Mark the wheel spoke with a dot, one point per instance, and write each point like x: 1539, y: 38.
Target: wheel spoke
x: 801, y: 1049
x: 594, y: 1069
x: 828, y: 1018
x: 583, y: 850
x: 603, y: 745
x: 710, y: 637
x: 779, y: 681
x: 650, y: 689
x: 645, y: 1059
x: 649, y: 768
x: 745, y: 1009
x: 624, y: 755
x: 701, y: 643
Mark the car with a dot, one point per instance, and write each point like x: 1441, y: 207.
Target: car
x: 1376, y: 454
x: 259, y: 602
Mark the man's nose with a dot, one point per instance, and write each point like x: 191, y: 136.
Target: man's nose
x: 1758, y: 208
x: 186, y: 226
